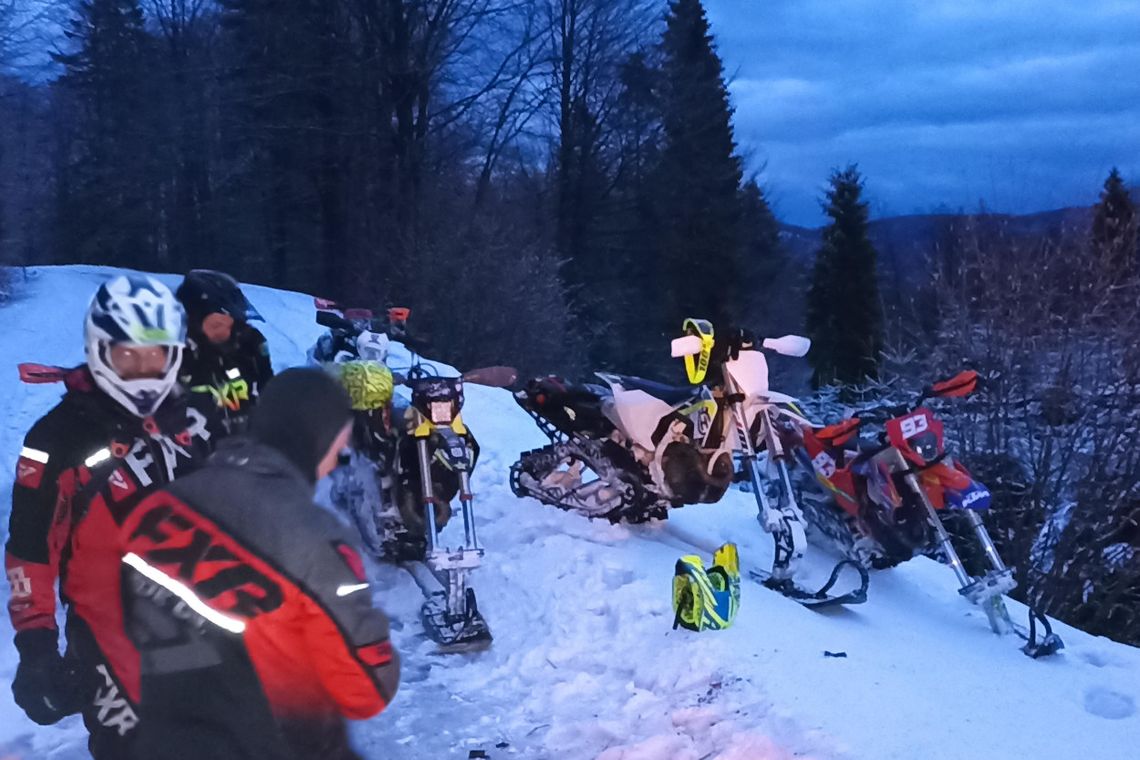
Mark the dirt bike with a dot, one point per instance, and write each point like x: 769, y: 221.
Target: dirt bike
x: 630, y: 449
x: 401, y: 477
x: 893, y: 492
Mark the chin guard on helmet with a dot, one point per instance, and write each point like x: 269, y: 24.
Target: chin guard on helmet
x: 141, y: 311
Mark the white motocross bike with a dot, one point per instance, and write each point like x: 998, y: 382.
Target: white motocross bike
x: 631, y: 449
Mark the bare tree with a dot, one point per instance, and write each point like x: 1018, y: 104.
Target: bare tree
x: 1053, y: 329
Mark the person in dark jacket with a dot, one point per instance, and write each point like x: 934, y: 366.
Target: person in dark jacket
x: 249, y: 603
x: 226, y: 358
x: 122, y: 429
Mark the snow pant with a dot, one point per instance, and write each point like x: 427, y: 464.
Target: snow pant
x: 218, y: 712
x: 109, y: 714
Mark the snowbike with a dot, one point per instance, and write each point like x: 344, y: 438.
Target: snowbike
x: 400, y: 479
x: 892, y: 493
x: 630, y: 449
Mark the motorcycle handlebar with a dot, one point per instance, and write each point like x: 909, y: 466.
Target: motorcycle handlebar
x: 335, y: 321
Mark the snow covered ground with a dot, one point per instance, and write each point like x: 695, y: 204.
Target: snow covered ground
x: 585, y: 663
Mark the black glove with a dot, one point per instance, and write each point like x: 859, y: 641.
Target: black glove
x: 46, y: 687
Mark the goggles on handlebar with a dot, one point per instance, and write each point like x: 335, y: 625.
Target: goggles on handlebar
x: 697, y: 367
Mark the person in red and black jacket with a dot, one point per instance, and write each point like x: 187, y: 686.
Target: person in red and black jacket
x: 249, y: 603
x: 122, y: 429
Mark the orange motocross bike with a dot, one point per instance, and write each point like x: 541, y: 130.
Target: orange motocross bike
x: 892, y: 492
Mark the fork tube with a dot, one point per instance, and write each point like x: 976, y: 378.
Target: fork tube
x: 943, y: 537
x: 987, y: 543
x: 468, y: 512
x: 426, y: 492
x: 750, y: 462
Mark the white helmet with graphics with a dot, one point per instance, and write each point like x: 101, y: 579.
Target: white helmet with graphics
x: 134, y: 336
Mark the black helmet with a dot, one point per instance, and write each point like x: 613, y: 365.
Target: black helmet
x: 207, y: 291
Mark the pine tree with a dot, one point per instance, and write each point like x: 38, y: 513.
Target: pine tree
x: 1114, y: 227
x: 844, y: 313
x: 762, y: 260
x: 625, y: 286
x: 106, y: 211
x: 698, y: 179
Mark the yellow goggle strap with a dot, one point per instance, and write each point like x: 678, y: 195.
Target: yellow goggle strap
x: 697, y: 367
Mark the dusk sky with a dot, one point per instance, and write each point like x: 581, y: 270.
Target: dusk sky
x: 1024, y: 104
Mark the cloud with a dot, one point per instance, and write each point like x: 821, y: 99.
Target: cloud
x: 1024, y: 104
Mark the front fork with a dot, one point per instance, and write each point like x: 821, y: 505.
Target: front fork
x: 785, y: 523
x: 450, y: 568
x: 985, y: 591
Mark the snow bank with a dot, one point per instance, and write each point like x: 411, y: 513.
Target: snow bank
x: 585, y: 663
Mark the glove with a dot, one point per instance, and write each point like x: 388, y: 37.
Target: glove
x: 46, y: 687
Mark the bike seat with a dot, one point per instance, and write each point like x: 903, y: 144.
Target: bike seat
x: 571, y: 408
x: 670, y: 394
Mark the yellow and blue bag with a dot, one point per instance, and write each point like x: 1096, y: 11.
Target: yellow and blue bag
x: 707, y: 599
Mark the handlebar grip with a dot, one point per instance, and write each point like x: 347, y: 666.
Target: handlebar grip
x: 328, y: 319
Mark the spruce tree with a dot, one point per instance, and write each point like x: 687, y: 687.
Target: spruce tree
x: 698, y: 179
x: 106, y: 210
x: 762, y: 260
x: 844, y: 314
x: 1114, y: 227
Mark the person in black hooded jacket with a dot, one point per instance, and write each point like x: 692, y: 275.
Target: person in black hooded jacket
x: 248, y: 603
x: 226, y: 357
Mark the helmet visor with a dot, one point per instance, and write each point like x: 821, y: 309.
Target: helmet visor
x: 131, y: 361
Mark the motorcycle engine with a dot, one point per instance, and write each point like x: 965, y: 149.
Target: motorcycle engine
x: 689, y: 476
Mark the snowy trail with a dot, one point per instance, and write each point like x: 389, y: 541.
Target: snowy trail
x: 585, y: 663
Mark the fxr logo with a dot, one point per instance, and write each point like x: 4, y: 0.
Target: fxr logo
x: 114, y: 710
x: 229, y: 394
x: 184, y: 551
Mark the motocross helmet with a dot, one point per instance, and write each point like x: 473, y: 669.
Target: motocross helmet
x: 140, y: 311
x: 707, y: 599
x: 207, y: 291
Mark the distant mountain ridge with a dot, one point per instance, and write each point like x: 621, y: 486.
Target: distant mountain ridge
x: 906, y: 239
